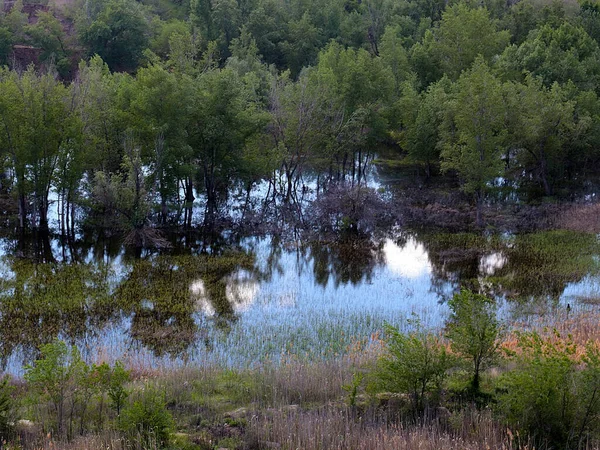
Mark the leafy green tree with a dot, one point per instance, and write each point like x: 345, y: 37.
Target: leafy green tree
x: 111, y: 381
x: 56, y: 377
x: 16, y: 21
x: 463, y: 34
x: 125, y: 198
x: 302, y: 44
x: 147, y: 420
x: 546, y: 123
x: 49, y: 35
x: 160, y: 43
x: 117, y: 31
x: 6, y: 43
x: 267, y: 24
x: 423, y: 116
x: 225, y: 115
x: 394, y: 55
x: 159, y: 113
x: 7, y: 404
x: 474, y: 331
x: 562, y: 54
x: 473, y: 139
x: 227, y: 20
x: 36, y: 123
x: 539, y: 396
x: 416, y: 364
x: 201, y: 16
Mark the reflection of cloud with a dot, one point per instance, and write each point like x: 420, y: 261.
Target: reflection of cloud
x: 241, y: 290
x: 201, y: 301
x: 490, y: 263
x: 409, y: 261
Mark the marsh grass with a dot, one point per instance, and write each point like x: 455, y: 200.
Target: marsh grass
x: 341, y: 429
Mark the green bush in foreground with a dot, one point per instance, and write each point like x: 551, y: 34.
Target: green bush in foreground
x: 553, y: 394
x: 417, y: 364
x: 6, y: 409
x: 474, y: 331
x: 147, y: 421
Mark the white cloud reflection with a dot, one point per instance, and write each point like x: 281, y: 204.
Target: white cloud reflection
x: 241, y: 290
x: 410, y: 260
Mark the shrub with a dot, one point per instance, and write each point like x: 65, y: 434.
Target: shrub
x: 553, y: 394
x: 57, y: 377
x: 147, y: 420
x: 416, y: 364
x: 473, y: 330
x: 6, y: 409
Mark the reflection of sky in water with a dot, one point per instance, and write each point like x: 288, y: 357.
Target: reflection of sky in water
x: 410, y: 260
x: 283, y: 308
x: 491, y: 263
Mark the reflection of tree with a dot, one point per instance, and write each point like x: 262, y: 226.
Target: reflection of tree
x: 40, y: 301
x: 164, y: 293
x: 535, y: 265
x: 542, y: 264
x: 347, y: 261
x: 454, y: 258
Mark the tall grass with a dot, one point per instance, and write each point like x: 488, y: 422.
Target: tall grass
x: 342, y: 429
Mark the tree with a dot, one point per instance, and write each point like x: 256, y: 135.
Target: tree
x: 562, y: 54
x: 416, y: 364
x: 463, y: 34
x: 7, y: 404
x: 545, y: 125
x: 159, y: 114
x: 36, y: 125
x: 474, y: 331
x: 540, y: 395
x: 423, y: 115
x: 394, y: 55
x: 473, y: 137
x: 49, y: 35
x: 225, y: 115
x: 302, y: 44
x: 56, y: 377
x: 117, y: 31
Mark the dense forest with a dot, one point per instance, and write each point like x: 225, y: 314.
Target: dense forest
x: 123, y: 113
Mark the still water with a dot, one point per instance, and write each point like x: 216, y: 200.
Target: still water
x: 241, y: 302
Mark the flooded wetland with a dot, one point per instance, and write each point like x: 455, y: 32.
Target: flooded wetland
x: 240, y: 300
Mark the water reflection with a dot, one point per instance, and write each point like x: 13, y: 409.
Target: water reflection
x: 349, y: 261
x: 260, y: 296
x: 408, y: 259
x: 164, y: 293
x: 39, y: 302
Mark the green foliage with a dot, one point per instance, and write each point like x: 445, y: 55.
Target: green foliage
x: 474, y: 135
x: 7, y: 405
x: 116, y: 30
x: 147, y: 421
x: 112, y: 381
x: 546, y: 122
x: 48, y: 34
x: 57, y: 377
x: 422, y: 120
x: 555, y: 54
x: 352, y: 387
x: 463, y: 34
x: 416, y: 364
x: 549, y: 394
x: 474, y: 331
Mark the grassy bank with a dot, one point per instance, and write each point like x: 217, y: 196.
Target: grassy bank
x: 333, y: 404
